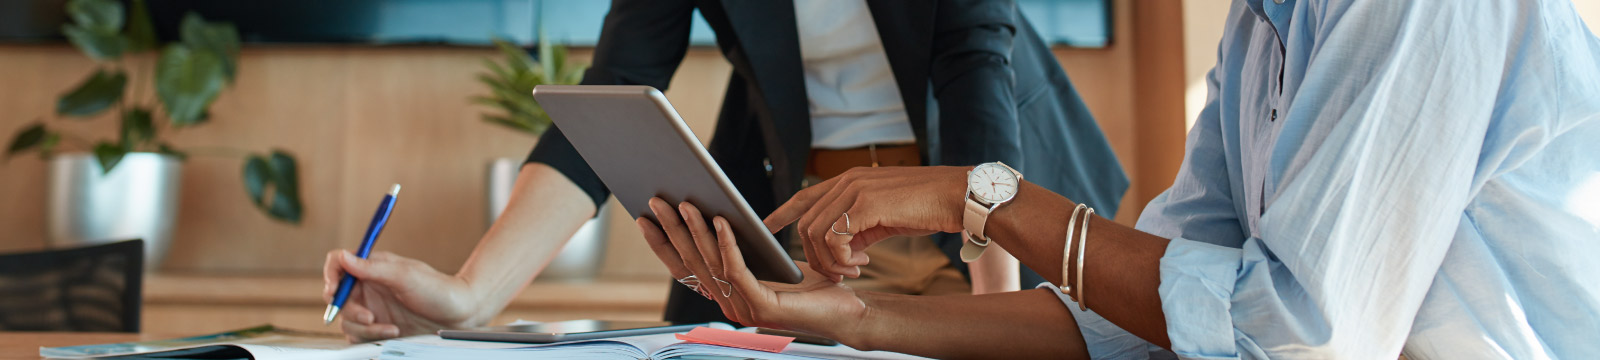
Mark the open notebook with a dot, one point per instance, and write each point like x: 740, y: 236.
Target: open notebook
x: 264, y: 342
x: 658, y: 346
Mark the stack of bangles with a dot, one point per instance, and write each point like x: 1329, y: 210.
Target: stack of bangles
x: 1070, y: 286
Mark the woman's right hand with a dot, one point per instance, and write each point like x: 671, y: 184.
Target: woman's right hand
x: 397, y: 296
x: 881, y: 202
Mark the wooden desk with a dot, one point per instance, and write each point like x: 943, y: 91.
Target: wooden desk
x: 203, y: 304
x: 25, y: 345
x: 178, y: 305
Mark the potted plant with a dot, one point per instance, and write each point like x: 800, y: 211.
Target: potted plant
x: 127, y: 187
x: 510, y: 87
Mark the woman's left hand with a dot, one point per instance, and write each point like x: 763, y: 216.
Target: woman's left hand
x: 685, y: 244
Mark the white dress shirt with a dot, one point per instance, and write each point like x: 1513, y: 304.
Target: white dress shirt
x: 1372, y: 177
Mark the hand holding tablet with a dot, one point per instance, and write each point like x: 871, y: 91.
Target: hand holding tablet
x: 640, y: 148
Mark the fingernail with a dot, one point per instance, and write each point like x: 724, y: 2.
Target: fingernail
x: 718, y: 223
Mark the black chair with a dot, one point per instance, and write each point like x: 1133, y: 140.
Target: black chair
x: 94, y: 288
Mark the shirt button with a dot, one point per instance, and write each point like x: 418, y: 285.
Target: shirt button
x: 1274, y: 118
x: 766, y: 163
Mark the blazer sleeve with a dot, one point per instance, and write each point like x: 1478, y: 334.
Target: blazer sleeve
x: 641, y: 43
x: 973, y: 82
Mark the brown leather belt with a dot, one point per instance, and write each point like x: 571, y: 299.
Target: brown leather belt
x: 825, y: 164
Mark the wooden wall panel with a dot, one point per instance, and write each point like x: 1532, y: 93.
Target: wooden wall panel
x: 408, y: 122
x: 360, y: 118
x: 1158, y: 54
x: 287, y: 99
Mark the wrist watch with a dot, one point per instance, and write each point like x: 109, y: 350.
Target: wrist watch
x: 989, y: 186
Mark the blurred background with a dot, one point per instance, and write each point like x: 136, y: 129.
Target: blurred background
x: 362, y: 94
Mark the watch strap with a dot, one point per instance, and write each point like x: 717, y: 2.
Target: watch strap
x: 973, y: 219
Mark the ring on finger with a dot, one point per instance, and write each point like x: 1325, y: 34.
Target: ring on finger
x: 835, y: 227
x: 691, y: 281
x: 727, y: 288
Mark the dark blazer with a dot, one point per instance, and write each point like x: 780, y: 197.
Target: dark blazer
x: 977, y: 63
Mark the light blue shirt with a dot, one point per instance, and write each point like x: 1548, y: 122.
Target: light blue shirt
x: 1423, y: 176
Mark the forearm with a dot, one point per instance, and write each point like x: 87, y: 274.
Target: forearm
x: 996, y: 271
x: 1121, y: 269
x: 1024, y: 324
x: 544, y: 211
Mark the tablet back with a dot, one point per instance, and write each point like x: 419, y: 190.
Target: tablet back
x: 640, y: 148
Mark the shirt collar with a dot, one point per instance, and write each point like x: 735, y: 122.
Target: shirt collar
x: 1276, y: 11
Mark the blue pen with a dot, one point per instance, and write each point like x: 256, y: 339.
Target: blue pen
x: 348, y: 282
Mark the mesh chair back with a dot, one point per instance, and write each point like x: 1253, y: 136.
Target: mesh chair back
x: 94, y: 288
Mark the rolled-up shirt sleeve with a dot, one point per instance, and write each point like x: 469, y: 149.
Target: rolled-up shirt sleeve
x: 1366, y: 186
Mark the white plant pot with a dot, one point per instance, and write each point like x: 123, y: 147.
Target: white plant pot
x: 582, y: 257
x: 138, y: 199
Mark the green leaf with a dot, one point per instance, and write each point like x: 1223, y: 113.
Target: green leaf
x: 516, y: 57
x: 109, y: 155
x: 141, y: 33
x: 96, y: 28
x: 503, y: 121
x: 511, y: 84
x: 279, y: 172
x: 286, y: 204
x: 137, y: 128
x: 165, y: 148
x: 256, y: 176
x: 100, y: 46
x: 498, y: 71
x: 28, y: 138
x: 97, y: 93
x: 574, y: 76
x: 97, y: 15
x: 218, y: 38
x: 187, y: 81
x: 285, y: 173
x: 484, y: 100
x: 205, y: 116
x: 48, y: 146
x: 547, y: 56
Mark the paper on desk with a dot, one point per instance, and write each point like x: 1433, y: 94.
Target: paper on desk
x: 654, y: 346
x: 261, y: 342
x: 742, y: 340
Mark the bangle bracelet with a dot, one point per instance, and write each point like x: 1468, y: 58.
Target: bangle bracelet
x: 1066, y: 251
x: 1083, y: 239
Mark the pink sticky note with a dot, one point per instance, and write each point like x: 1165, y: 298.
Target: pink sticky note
x: 742, y: 340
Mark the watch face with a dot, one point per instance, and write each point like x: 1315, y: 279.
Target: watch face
x: 992, y: 183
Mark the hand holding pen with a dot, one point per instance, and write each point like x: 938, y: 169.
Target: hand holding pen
x: 396, y: 295
x: 347, y: 283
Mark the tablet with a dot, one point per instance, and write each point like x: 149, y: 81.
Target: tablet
x: 543, y: 333
x: 640, y: 148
